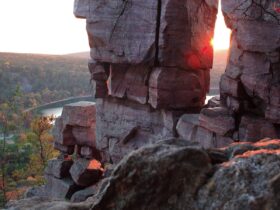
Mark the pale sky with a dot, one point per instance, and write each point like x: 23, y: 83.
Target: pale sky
x: 41, y: 26
x: 49, y: 27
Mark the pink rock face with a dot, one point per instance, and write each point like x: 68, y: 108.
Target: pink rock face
x: 129, y: 81
x: 79, y: 114
x: 217, y: 120
x: 186, y: 30
x: 175, y: 88
x: 253, y: 128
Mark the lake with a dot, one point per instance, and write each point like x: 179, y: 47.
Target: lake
x: 57, y: 110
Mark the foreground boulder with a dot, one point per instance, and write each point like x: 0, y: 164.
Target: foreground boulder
x: 176, y: 175
x: 162, y: 176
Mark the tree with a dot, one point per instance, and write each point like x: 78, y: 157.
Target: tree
x: 9, y: 122
x: 41, y: 127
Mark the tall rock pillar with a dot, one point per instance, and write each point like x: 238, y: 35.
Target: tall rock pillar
x: 150, y: 60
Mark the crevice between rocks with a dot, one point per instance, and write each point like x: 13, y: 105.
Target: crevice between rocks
x: 156, y: 63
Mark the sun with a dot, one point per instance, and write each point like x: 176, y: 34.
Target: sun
x: 221, y: 39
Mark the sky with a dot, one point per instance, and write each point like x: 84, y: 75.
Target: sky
x: 49, y: 27
x: 41, y: 26
x: 222, y: 33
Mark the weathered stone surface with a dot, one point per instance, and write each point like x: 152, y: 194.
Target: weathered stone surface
x: 186, y: 29
x: 122, y: 31
x: 81, y: 8
x: 59, y: 168
x: 127, y: 81
x: 82, y: 195
x: 231, y: 87
x: 221, y: 141
x: 204, y: 137
x: 214, y: 102
x: 174, y: 174
x: 86, y: 172
x: 63, y: 134
x: 87, y: 152
x: 99, y: 74
x: 64, y: 149
x: 38, y: 203
x: 218, y: 120
x: 272, y: 113
x: 245, y: 182
x: 234, y: 104
x: 258, y: 36
x: 253, y: 128
x: 118, y: 117
x: 187, y: 125
x: 257, y: 86
x: 175, y: 88
x: 141, y: 182
x: 274, y: 97
x: 243, y: 147
x: 79, y: 114
x: 241, y: 10
x: 84, y: 136
x: 60, y: 188
x: 254, y: 63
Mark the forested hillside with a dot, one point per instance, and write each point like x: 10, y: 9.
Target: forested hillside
x: 43, y: 78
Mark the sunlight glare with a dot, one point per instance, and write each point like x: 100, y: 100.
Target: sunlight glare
x: 221, y: 40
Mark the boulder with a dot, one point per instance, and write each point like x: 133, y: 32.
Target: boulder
x: 64, y: 149
x: 86, y: 172
x: 218, y: 120
x: 247, y: 181
x: 187, y: 125
x: 214, y: 102
x: 204, y: 137
x: 63, y: 133
x: 253, y: 128
x: 231, y: 87
x: 59, y: 167
x: 82, y: 195
x: 79, y: 114
x: 176, y: 89
x: 84, y: 136
x: 60, y: 188
x: 272, y: 113
x: 161, y: 176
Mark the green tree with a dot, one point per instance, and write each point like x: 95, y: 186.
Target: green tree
x: 9, y: 122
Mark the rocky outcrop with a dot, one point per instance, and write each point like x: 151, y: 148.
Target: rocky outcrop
x: 150, y: 62
x: 78, y: 166
x: 249, y: 88
x: 175, y: 174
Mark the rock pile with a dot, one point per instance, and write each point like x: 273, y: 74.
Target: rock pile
x: 78, y: 167
x: 249, y: 105
x: 150, y: 61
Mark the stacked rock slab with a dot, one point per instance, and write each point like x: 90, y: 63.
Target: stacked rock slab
x: 249, y: 105
x: 150, y: 60
x: 78, y: 166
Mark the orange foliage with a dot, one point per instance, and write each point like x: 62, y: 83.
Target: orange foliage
x: 94, y: 164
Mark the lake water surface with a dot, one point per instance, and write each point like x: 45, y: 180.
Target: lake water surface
x: 56, y: 111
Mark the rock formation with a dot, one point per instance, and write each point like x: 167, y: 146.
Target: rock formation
x: 78, y: 167
x: 249, y: 104
x: 150, y: 61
